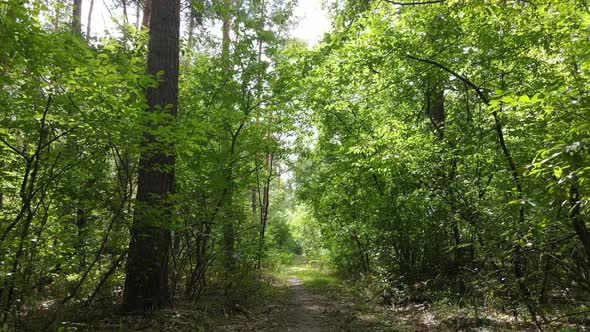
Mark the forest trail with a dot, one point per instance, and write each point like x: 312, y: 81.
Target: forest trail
x: 306, y: 313
x: 310, y: 300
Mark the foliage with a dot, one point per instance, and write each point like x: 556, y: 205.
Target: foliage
x: 437, y: 146
x: 489, y: 202
x: 69, y: 127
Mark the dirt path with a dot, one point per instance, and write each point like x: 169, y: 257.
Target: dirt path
x: 306, y: 313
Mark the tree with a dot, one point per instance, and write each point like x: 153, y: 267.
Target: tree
x: 77, y: 17
x: 462, y: 205
x: 146, y: 283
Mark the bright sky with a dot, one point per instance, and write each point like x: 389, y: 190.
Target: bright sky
x: 313, y: 18
x: 313, y: 23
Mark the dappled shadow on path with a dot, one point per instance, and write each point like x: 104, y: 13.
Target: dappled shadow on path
x: 305, y: 314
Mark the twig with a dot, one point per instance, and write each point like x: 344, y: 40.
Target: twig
x: 114, y: 266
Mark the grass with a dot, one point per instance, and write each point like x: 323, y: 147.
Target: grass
x: 354, y: 306
x: 314, y: 278
x: 273, y: 290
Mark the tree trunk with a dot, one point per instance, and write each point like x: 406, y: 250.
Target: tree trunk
x: 137, y: 17
x: 56, y: 18
x: 434, y: 100
x: 29, y: 188
x: 576, y: 218
x: 147, y: 13
x: 191, y: 29
x: 146, y: 283
x: 264, y: 208
x: 229, y: 261
x: 125, y: 15
x: 1, y: 188
x: 77, y: 17
x: 253, y: 199
x: 81, y: 223
x: 89, y: 25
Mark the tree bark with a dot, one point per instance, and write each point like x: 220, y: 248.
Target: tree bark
x: 229, y: 261
x: 434, y: 104
x: 268, y: 160
x: 125, y: 15
x: 1, y: 188
x: 191, y: 29
x: 147, y: 13
x: 77, y: 17
x: 137, y: 17
x: 576, y: 218
x: 146, y: 283
x: 89, y: 25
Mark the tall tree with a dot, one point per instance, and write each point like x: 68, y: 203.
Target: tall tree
x: 146, y: 284
x: 228, y: 190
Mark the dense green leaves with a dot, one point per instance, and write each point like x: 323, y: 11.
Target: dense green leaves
x: 494, y: 187
x: 442, y: 144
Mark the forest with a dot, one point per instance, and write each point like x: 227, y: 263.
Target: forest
x: 195, y: 167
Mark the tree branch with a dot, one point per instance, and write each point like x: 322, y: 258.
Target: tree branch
x: 464, y: 79
x: 414, y: 3
x: 15, y: 150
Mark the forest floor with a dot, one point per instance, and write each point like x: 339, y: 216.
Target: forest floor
x: 318, y: 301
x: 313, y: 303
x: 301, y: 297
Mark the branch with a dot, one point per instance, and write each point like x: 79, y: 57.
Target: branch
x: 15, y: 150
x: 39, y: 145
x: 464, y: 79
x: 414, y: 3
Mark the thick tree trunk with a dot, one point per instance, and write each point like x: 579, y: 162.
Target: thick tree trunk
x: 146, y: 283
x: 147, y: 13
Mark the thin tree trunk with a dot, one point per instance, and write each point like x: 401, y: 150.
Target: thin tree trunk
x: 264, y: 209
x: 105, y: 277
x: 228, y: 222
x: 576, y: 218
x: 56, y: 18
x: 519, y: 259
x: 253, y: 203
x: 125, y: 15
x: 1, y: 195
x: 82, y: 234
x: 137, y: 17
x: 77, y: 17
x: 146, y: 283
x: 268, y: 158
x: 191, y: 28
x: 89, y: 25
x: 27, y: 193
